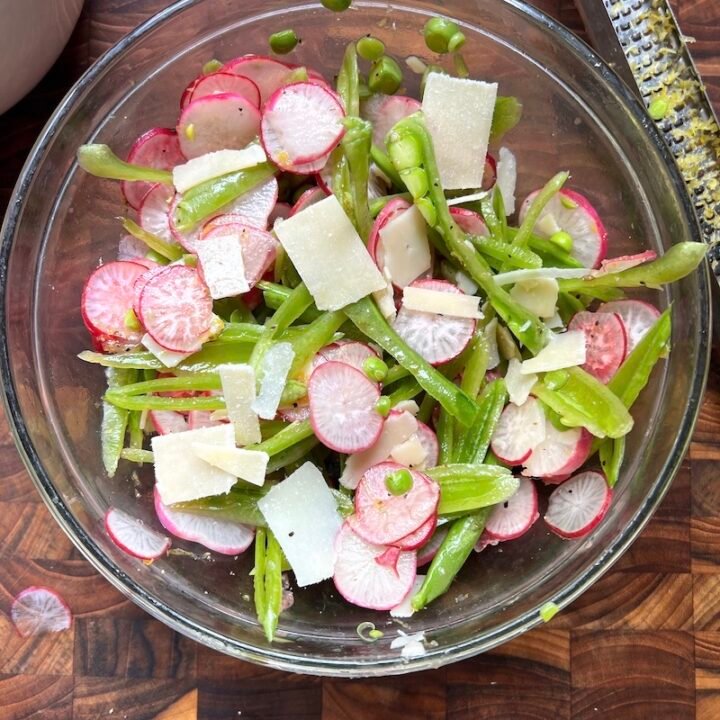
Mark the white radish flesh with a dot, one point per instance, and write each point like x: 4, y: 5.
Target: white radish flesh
x: 267, y: 73
x: 578, y: 505
x: 605, y: 342
x: 518, y: 432
x: 39, y: 610
x: 134, y: 537
x: 559, y: 454
x: 222, y: 82
x: 637, y: 318
x: 154, y: 212
x: 515, y: 516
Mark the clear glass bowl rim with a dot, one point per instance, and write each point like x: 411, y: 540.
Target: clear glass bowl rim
x: 276, y: 659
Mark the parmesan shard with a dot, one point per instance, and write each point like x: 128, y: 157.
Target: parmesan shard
x: 238, y: 386
x: 493, y: 351
x: 563, y: 351
x: 411, y: 453
x: 248, y: 465
x: 539, y: 296
x: 405, y: 247
x: 459, y: 114
x: 180, y: 475
x: 214, y: 164
x: 385, y: 300
x: 324, y: 246
x: 507, y: 179
x: 221, y: 260
x: 518, y: 385
x: 302, y: 514
x: 275, y: 367
x: 167, y: 357
x: 441, y: 303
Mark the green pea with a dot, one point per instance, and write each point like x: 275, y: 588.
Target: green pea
x: 283, y: 42
x: 383, y: 405
x: 336, y: 5
x: 385, y: 76
x: 399, y: 482
x: 211, y: 66
x: 563, y: 240
x: 556, y: 379
x: 370, y: 48
x: 375, y: 369
x: 443, y: 35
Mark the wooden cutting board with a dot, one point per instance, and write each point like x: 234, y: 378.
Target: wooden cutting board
x: 643, y: 643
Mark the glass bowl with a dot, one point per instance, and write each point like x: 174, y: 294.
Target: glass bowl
x: 578, y: 116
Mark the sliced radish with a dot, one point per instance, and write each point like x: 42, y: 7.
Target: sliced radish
x: 281, y: 211
x: 176, y: 308
x: 383, y: 518
x: 39, y: 610
x: 267, y: 73
x: 221, y: 82
x: 637, y: 317
x: 515, y: 516
x: 490, y: 172
x: 134, y: 537
x: 217, y: 122
x: 395, y: 207
x: 430, y: 442
x: 342, y: 407
x: 168, y: 421
x: 158, y: 148
x: 484, y: 542
x: 384, y: 111
x: 624, y: 262
x: 201, y: 419
x: 469, y: 221
x: 140, y: 283
x: 349, y: 352
x: 438, y: 338
x: 362, y: 581
x: 519, y: 431
x: 297, y: 412
x: 308, y: 198
x: 605, y: 342
x: 154, y: 212
x: 559, y: 454
x: 428, y: 551
x: 573, y: 213
x: 301, y: 123
x: 130, y: 248
x: 578, y: 505
x: 389, y: 558
x: 417, y: 539
x: 222, y: 536
x: 106, y: 299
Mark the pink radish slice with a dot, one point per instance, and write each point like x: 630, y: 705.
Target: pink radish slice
x: 134, y: 537
x: 139, y: 285
x: 38, y: 610
x: 349, y: 352
x: 428, y: 439
x: 578, y: 505
x: 428, y: 551
x: 383, y: 518
x: 222, y: 82
x: 438, y: 338
x: 605, y: 342
x: 107, y: 297
x: 625, y: 262
x: 637, y: 317
x: 281, y: 211
x: 515, y: 516
x: 201, y: 419
x: 418, y: 538
x: 574, y: 214
x: 391, y: 210
x: 559, y: 454
x: 313, y: 167
x: 342, y: 408
x: 389, y: 558
x: 490, y: 172
x: 362, y: 581
x: 154, y: 213
x: 485, y: 541
x: 168, y: 421
x: 267, y: 73
x: 176, y: 308
x: 308, y: 198
x: 384, y: 111
x: 222, y: 536
x: 293, y: 413
x: 518, y: 432
x: 130, y: 248
x: 469, y: 221
x: 301, y: 123
x: 158, y: 148
x: 259, y: 248
x: 217, y: 122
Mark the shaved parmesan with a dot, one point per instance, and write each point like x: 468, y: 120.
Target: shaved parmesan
x: 302, y: 514
x: 180, y: 474
x: 167, y: 357
x: 406, y: 251
x: 238, y: 386
x: 507, y: 179
x: 466, y: 284
x: 397, y: 429
x: 407, y: 406
x: 323, y: 246
x: 538, y: 296
x: 555, y: 322
x: 563, y: 351
x: 459, y: 114
x: 275, y: 368
x: 514, y: 276
x: 441, y: 303
x: 467, y: 198
x: 518, y: 385
x: 491, y: 337
x: 214, y: 164
x: 248, y: 465
x: 411, y: 453
x: 221, y: 260
x: 385, y: 300
x: 405, y: 608
x: 548, y: 225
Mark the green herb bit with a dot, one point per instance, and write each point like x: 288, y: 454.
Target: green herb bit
x: 461, y: 68
x: 563, y: 240
x: 211, y: 66
x: 506, y: 115
x: 114, y: 420
x: 367, y: 632
x: 168, y: 251
x: 267, y: 579
x: 658, y: 108
x: 385, y: 76
x: 548, y: 611
x: 370, y: 48
x: 283, y: 41
x: 101, y: 161
x: 399, y: 482
x: 443, y: 35
x: 336, y: 5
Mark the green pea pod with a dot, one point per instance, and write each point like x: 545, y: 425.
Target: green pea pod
x: 465, y: 488
x: 348, y: 81
x: 274, y: 296
x: 368, y: 319
x: 210, y: 196
x: 137, y: 436
x: 286, y: 438
x: 114, y: 420
x: 385, y: 164
x: 271, y: 578
x: 316, y: 335
x: 612, y: 454
x: 404, y: 390
x: 506, y: 115
x: 166, y: 250
x: 446, y: 437
x: 137, y: 455
x: 356, y: 145
x: 500, y: 254
x: 551, y: 254
x: 240, y: 505
x: 476, y: 367
x: 487, y: 209
x: 583, y: 401
x: 679, y: 261
x: 378, y: 204
x: 450, y: 557
x: 475, y: 440
x: 291, y: 455
x: 101, y: 161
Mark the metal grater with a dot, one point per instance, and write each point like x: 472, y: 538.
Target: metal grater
x: 645, y: 34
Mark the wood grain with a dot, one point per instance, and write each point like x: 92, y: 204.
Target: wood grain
x: 643, y: 642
